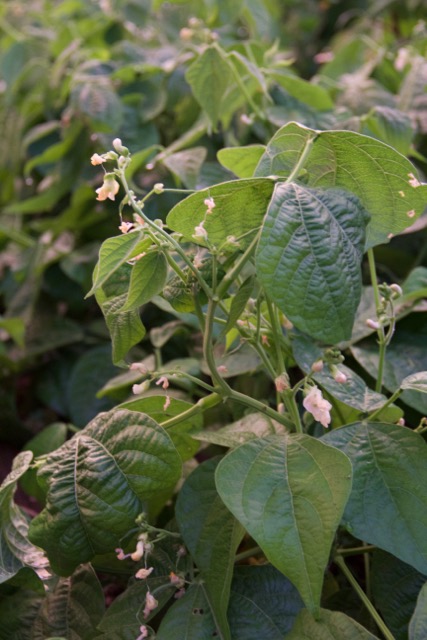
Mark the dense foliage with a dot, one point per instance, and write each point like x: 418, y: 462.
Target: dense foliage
x: 213, y: 323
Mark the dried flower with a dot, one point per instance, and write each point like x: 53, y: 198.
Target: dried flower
x: 142, y: 574
x: 316, y: 404
x: 109, y: 189
x: 282, y: 382
x: 150, y: 604
x: 177, y: 581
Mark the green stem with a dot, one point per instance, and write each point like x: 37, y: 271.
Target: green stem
x: 301, y: 161
x: 381, y: 337
x: 247, y: 401
x: 392, y: 398
x: 356, y: 551
x: 242, y: 87
x: 200, y: 407
x: 232, y: 274
x: 339, y: 561
x: 254, y: 551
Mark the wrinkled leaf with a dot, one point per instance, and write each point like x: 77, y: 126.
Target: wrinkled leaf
x: 251, y: 426
x: 189, y: 618
x: 147, y: 279
x: 331, y: 625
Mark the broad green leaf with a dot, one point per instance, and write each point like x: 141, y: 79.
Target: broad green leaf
x: 309, y: 256
x: 330, y: 625
x: 190, y: 618
x: 418, y: 624
x: 114, y: 253
x: 265, y: 485
x: 388, y: 503
x: 44, y: 201
x: 417, y: 381
x: 186, y: 165
x: 212, y: 535
x: 73, y: 609
x: 209, y: 76
x: 251, y: 426
x: 242, y: 161
x: 406, y: 353
x: 98, y: 100
x: 147, y: 279
x: 240, y: 206
x: 395, y: 587
x: 307, y: 92
x: 377, y: 174
x: 238, y: 303
x: 263, y: 604
x: 17, y: 613
x: 16, y: 552
x: 354, y: 393
x: 97, y: 482
x: 182, y: 433
x: 47, y: 440
x: 391, y: 126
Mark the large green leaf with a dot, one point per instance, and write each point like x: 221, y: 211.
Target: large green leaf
x: 17, y: 613
x: 97, y: 483
x: 186, y: 165
x: 263, y: 604
x: 331, y: 625
x: 242, y: 161
x: 147, y: 279
x: 73, y: 609
x: 190, y: 618
x: 418, y: 624
x: 309, y: 256
x: 16, y: 552
x: 249, y: 427
x: 395, y: 587
x: 282, y: 488
x: 212, y: 535
x: 388, y: 502
x: 240, y: 206
x: 370, y: 169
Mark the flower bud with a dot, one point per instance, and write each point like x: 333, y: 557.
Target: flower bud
x: 317, y: 366
x: 282, y: 382
x: 372, y: 324
x: 159, y: 188
x: 117, y: 144
x: 397, y: 290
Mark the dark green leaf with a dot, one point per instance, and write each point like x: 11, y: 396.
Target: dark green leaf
x: 418, y: 624
x: 417, y: 382
x: 97, y: 483
x: 147, y: 279
x: 377, y: 174
x: 186, y: 165
x: 264, y: 484
x: 309, y: 257
x: 190, y: 618
x: 18, y: 611
x: 391, y: 126
x: 212, y: 535
x: 388, y: 504
x: 47, y: 440
x: 251, y: 426
x: 238, y: 303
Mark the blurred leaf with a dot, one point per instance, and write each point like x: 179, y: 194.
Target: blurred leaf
x: 417, y: 381
x: 330, y: 625
x: 391, y: 126
x: 186, y: 165
x: 388, y: 497
x: 212, y: 535
x: 97, y: 482
x: 418, y: 624
x: 304, y: 91
x: 189, y: 618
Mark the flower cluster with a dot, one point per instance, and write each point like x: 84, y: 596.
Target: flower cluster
x: 316, y: 404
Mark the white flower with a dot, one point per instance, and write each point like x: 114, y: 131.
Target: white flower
x: 316, y: 404
x: 109, y: 189
x: 139, y: 551
x: 158, y: 188
x: 125, y: 227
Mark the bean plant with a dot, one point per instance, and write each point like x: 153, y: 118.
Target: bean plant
x: 260, y: 468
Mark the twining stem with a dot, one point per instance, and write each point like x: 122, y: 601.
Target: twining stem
x: 392, y: 398
x: 339, y: 561
x: 381, y: 337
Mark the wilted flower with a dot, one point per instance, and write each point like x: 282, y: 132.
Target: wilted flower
x: 109, y: 189
x: 210, y: 204
x: 121, y: 555
x: 167, y: 403
x: 163, y: 381
x: 282, y: 382
x: 142, y: 574
x: 150, y: 604
x: 144, y: 633
x: 200, y: 231
x: 96, y: 159
x: 139, y: 551
x: 316, y: 404
x: 177, y: 581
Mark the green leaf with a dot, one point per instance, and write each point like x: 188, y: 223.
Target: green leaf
x: 73, y: 609
x: 47, y: 440
x: 238, y: 303
x: 190, y: 618
x: 306, y: 92
x: 388, y: 503
x: 377, y: 174
x: 309, y: 256
x: 418, y: 624
x: 181, y: 434
x: 395, y: 587
x: 147, y: 279
x: 212, y: 535
x: 263, y: 604
x: 209, y: 76
x: 186, y: 165
x: 97, y: 483
x: 331, y: 625
x: 17, y: 613
x: 251, y: 426
x: 240, y: 206
x: 391, y: 126
x: 16, y: 552
x: 242, y: 161
x: 417, y: 381
x: 265, y: 485
x: 114, y: 253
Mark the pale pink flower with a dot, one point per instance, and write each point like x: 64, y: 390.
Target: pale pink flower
x: 317, y: 366
x: 121, y: 555
x: 109, y: 189
x: 340, y: 377
x: 177, y: 581
x: 139, y: 551
x: 140, y: 388
x: 316, y: 404
x: 125, y: 227
x: 144, y: 633
x: 210, y: 204
x: 163, y: 381
x: 264, y: 340
x: 372, y: 324
x: 222, y: 369
x: 96, y: 159
x: 150, y: 604
x: 200, y: 231
x: 167, y: 403
x: 142, y: 574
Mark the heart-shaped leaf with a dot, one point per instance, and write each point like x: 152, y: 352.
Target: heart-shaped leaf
x: 97, y: 483
x: 388, y: 502
x: 289, y: 492
x: 309, y: 257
